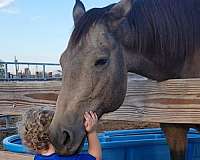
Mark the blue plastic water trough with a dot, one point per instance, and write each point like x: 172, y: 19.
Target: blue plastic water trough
x: 139, y: 144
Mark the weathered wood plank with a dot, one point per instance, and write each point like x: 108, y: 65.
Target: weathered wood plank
x: 15, y: 97
x: 14, y: 156
x: 172, y: 101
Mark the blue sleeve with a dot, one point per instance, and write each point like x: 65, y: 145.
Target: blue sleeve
x: 86, y: 157
x: 35, y: 157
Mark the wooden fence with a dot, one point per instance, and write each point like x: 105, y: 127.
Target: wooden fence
x: 172, y: 101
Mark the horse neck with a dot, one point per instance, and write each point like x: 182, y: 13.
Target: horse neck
x: 139, y: 64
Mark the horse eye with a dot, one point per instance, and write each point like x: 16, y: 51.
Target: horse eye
x: 101, y: 62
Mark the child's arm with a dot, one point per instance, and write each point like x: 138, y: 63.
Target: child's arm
x: 93, y: 141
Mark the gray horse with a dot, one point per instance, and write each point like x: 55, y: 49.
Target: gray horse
x: 159, y: 39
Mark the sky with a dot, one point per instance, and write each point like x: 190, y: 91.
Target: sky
x: 37, y: 30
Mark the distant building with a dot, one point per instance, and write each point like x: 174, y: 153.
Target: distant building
x: 50, y: 75
x: 27, y: 72
x: 38, y: 74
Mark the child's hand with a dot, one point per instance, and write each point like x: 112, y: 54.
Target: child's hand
x: 91, y: 120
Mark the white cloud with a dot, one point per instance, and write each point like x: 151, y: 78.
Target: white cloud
x: 9, y: 7
x: 5, y: 3
x: 10, y: 10
x: 36, y: 18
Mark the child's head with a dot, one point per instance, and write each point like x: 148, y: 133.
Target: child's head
x: 34, y: 129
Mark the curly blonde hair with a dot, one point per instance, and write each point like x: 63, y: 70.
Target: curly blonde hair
x: 34, y: 128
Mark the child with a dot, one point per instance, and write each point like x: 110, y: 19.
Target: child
x: 34, y: 132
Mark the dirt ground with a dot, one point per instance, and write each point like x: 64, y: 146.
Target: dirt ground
x: 105, y: 125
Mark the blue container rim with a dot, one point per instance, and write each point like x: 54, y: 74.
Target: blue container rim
x: 107, y: 136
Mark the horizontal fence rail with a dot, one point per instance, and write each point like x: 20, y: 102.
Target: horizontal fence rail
x: 27, y: 74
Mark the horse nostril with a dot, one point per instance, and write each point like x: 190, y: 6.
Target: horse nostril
x: 66, y: 137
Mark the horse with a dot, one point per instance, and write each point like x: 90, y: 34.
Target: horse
x: 158, y: 39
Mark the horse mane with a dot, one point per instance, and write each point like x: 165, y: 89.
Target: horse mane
x: 166, y: 31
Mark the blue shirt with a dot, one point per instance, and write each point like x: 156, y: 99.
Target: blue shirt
x: 56, y: 156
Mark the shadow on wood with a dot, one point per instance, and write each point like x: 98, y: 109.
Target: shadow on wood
x: 172, y: 101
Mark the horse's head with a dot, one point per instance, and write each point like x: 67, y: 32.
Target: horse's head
x: 94, y: 76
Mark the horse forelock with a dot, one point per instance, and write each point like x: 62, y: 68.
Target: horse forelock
x: 86, y: 22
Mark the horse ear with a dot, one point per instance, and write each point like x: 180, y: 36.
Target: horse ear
x: 78, y: 11
x: 121, y: 9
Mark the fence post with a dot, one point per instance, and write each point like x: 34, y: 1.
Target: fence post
x: 44, y: 77
x: 6, y: 71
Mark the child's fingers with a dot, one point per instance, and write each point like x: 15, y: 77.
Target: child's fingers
x: 96, y: 117
x: 92, y: 115
x: 86, y: 124
x: 86, y: 116
x: 91, y: 118
x: 90, y: 121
